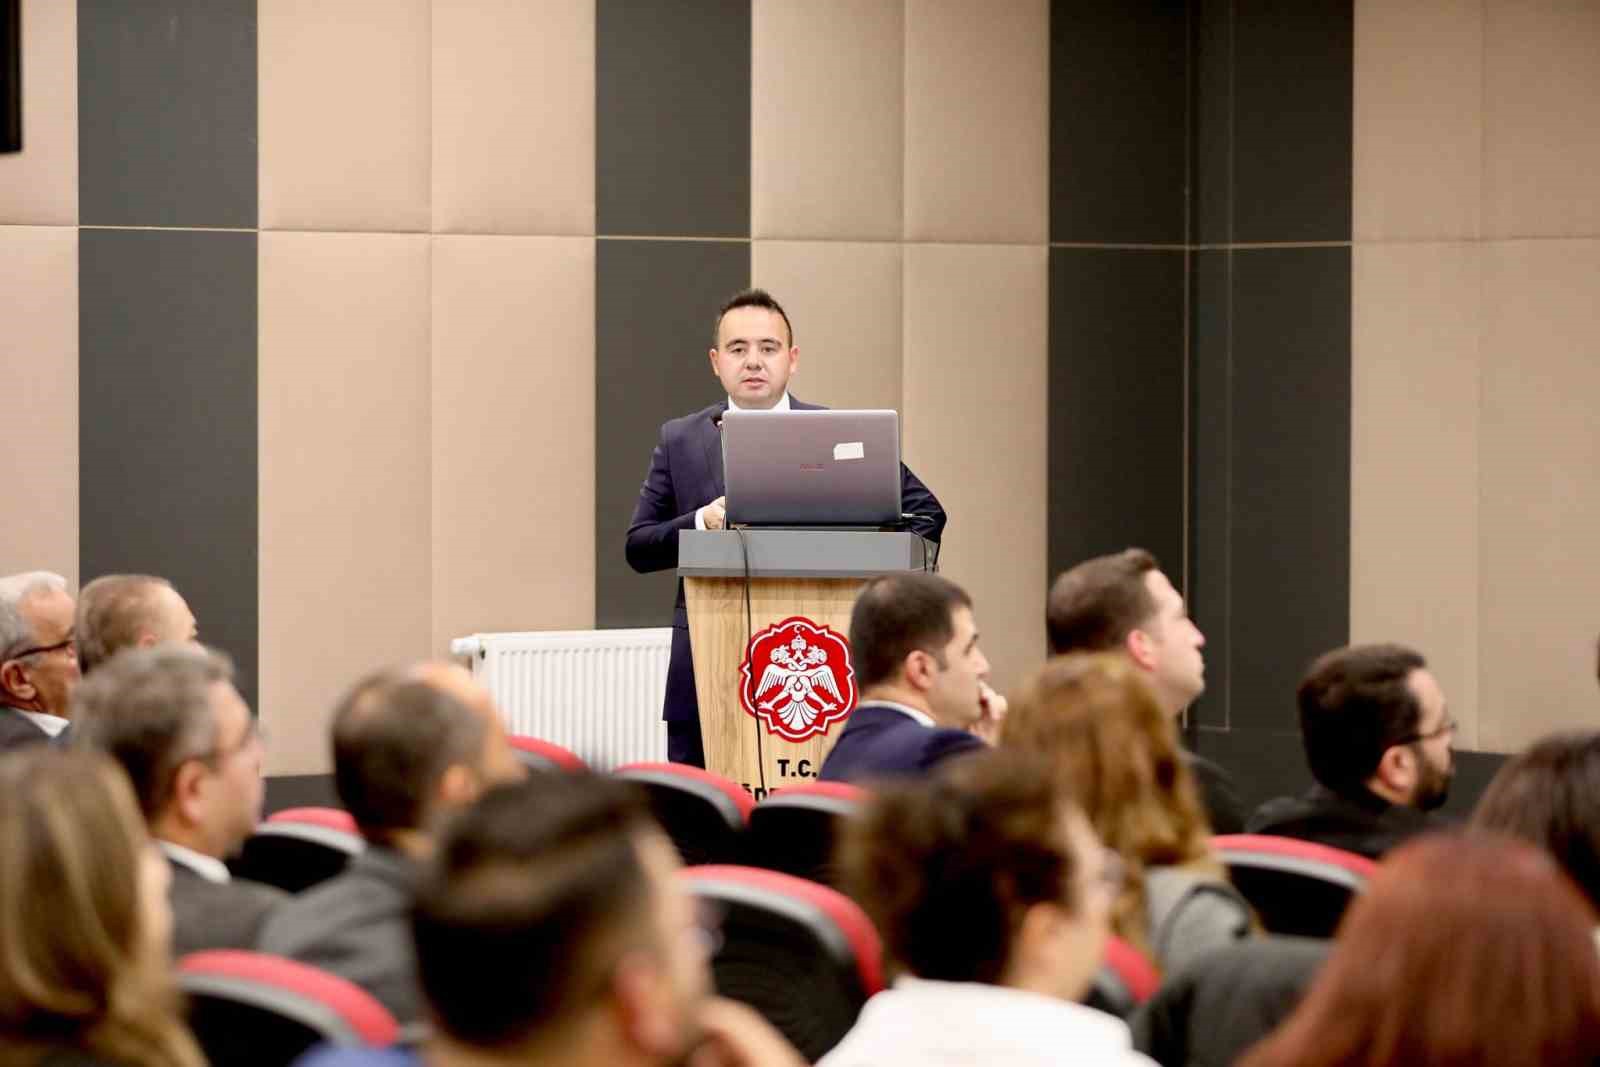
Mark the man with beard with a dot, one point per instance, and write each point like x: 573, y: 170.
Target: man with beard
x: 551, y: 928
x: 1377, y: 734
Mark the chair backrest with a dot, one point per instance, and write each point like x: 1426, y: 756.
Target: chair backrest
x: 545, y: 755
x: 803, y: 955
x: 1296, y: 887
x: 704, y: 813
x: 299, y: 847
x: 795, y: 829
x: 252, y: 1008
x: 1125, y: 980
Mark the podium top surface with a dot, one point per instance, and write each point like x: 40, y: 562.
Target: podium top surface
x: 798, y: 553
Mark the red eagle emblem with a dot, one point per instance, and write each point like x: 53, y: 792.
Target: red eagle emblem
x: 797, y: 678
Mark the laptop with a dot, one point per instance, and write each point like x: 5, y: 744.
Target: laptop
x: 812, y: 468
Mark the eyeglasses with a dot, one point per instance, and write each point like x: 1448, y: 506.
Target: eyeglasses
x: 1447, y: 727
x: 70, y: 645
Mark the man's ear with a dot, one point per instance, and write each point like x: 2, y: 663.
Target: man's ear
x: 1141, y: 649
x: 187, y: 803
x: 146, y: 639
x: 14, y: 680
x: 1397, y: 768
x: 918, y: 669
x: 714, y: 371
x: 643, y: 1012
x: 458, y: 786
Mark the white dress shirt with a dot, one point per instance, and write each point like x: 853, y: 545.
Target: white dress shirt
x: 781, y: 405
x: 967, y: 1024
x: 905, y: 709
x: 50, y: 724
x: 208, y: 867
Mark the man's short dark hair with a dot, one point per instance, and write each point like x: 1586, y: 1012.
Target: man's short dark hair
x: 1355, y: 704
x: 532, y: 895
x: 1095, y: 605
x: 150, y: 710
x: 394, y: 737
x: 947, y: 867
x: 749, y: 298
x: 113, y: 610
x: 898, y: 614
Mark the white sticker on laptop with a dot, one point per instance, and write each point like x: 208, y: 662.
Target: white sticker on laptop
x: 848, y: 450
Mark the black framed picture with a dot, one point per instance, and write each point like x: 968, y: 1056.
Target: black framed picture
x: 10, y: 75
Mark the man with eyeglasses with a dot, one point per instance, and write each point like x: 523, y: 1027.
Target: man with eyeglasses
x: 172, y: 717
x: 1377, y: 734
x: 38, y: 657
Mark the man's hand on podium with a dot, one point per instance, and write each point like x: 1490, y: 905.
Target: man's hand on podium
x: 714, y: 516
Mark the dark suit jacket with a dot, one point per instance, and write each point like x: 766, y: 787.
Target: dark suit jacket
x: 880, y: 741
x: 1224, y: 809
x: 16, y: 730
x: 357, y: 926
x: 208, y: 914
x: 686, y: 475
x: 1356, y: 822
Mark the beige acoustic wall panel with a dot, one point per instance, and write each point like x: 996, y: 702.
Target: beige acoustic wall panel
x: 344, y: 114
x: 844, y: 302
x: 975, y: 430
x: 39, y: 364
x: 827, y: 119
x: 1540, y: 510
x: 977, y: 120
x: 1418, y: 124
x: 1414, y: 459
x: 39, y: 185
x: 513, y: 435
x: 1542, y: 118
x: 344, y: 424
x: 513, y: 116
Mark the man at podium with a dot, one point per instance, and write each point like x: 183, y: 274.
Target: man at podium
x: 753, y: 356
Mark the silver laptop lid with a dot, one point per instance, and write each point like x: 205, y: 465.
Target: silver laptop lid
x: 812, y: 468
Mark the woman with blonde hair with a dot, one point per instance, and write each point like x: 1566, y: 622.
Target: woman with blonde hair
x: 1116, y: 751
x: 85, y: 967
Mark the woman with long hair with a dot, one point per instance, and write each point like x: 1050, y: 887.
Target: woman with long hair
x: 85, y: 967
x: 1464, y: 951
x: 1116, y: 751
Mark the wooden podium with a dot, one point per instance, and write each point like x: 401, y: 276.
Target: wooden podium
x: 782, y: 597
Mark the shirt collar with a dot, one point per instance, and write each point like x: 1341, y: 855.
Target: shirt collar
x: 50, y: 724
x: 208, y: 867
x: 1004, y: 1018
x: 781, y: 405
x: 905, y: 709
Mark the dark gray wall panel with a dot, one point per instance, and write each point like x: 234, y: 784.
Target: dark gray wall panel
x: 1293, y: 109
x: 1211, y: 119
x: 672, y: 117
x: 1210, y: 487
x: 654, y: 304
x: 167, y: 421
x: 1116, y: 404
x: 1289, y: 461
x: 167, y: 113
x: 1118, y: 93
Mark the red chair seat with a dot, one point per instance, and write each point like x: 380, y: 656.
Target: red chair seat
x: 1296, y: 887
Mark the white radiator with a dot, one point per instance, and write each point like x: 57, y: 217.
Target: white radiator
x: 596, y: 692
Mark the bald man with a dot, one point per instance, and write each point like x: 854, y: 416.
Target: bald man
x: 118, y: 611
x: 409, y: 747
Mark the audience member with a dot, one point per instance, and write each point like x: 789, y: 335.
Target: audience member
x: 1124, y: 603
x: 551, y: 929
x: 118, y: 611
x: 85, y: 969
x: 914, y: 644
x: 992, y: 894
x: 38, y: 657
x: 1549, y: 796
x: 172, y: 717
x: 1462, y: 952
x: 408, y: 747
x: 1377, y: 735
x: 1115, y: 750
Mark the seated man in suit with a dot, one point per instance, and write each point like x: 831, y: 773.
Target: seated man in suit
x: 914, y: 644
x: 118, y: 611
x: 551, y: 928
x: 1377, y: 734
x: 409, y: 747
x: 173, y: 719
x: 753, y: 355
x: 1123, y: 603
x: 38, y: 657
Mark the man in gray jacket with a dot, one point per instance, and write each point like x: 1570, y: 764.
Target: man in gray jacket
x: 408, y: 747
